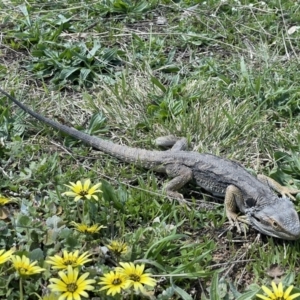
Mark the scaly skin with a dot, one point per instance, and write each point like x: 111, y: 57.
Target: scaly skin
x: 244, y: 193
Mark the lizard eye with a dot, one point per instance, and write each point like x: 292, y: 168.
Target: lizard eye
x: 275, y: 224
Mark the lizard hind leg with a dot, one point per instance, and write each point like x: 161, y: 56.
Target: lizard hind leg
x: 181, y: 175
x: 176, y: 144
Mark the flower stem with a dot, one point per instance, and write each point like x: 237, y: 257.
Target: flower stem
x: 79, y: 212
x: 131, y: 294
x: 21, y: 288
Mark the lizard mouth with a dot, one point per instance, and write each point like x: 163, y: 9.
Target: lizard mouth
x: 272, y: 228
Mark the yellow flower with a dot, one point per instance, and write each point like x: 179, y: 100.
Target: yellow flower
x: 117, y: 247
x: 68, y: 259
x: 71, y: 287
x: 136, y: 275
x: 80, y: 191
x: 24, y: 267
x: 5, y: 256
x: 81, y: 227
x: 278, y: 293
x: 4, y: 200
x: 114, y: 282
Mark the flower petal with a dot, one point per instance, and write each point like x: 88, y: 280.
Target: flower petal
x: 86, y: 184
x: 93, y: 189
x: 293, y: 296
x: 288, y: 291
x: 268, y: 292
x: 280, y: 290
x: 263, y: 297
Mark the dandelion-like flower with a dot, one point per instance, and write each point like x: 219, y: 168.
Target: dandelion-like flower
x: 81, y: 227
x: 5, y: 256
x: 70, y: 286
x: 24, y: 267
x: 136, y: 276
x: 114, y: 282
x: 278, y: 293
x: 117, y: 247
x: 68, y: 259
x: 4, y: 200
x: 81, y: 191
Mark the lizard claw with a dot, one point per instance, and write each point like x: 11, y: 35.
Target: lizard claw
x: 284, y: 191
x: 238, y: 221
x: 240, y: 227
x: 177, y: 196
x: 244, y: 222
x: 287, y: 192
x: 174, y: 195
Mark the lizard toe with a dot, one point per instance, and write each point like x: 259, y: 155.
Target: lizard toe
x: 287, y: 194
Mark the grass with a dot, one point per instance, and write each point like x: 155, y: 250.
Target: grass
x: 224, y: 74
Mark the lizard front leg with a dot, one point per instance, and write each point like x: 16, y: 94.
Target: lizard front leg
x: 233, y: 203
x: 283, y: 190
x: 181, y: 175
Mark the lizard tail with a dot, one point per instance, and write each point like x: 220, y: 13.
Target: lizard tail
x: 124, y: 153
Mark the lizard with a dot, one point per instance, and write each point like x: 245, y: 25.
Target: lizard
x: 253, y: 196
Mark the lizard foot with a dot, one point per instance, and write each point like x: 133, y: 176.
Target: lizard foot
x: 238, y: 221
x: 243, y: 222
x: 177, y: 144
x: 282, y: 190
x: 287, y: 192
x: 166, y: 141
x: 177, y: 196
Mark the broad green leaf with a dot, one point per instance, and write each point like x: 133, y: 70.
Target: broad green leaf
x: 250, y: 295
x: 214, y: 288
x: 95, y: 48
x: 156, y: 82
x: 23, y: 9
x: 110, y: 54
x: 36, y: 254
x: 167, y: 294
x: 244, y: 70
x: 64, y: 74
x: 159, y: 245
x: 182, y: 293
x: 84, y: 73
x: 97, y: 124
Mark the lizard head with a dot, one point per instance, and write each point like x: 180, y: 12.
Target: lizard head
x: 279, y: 219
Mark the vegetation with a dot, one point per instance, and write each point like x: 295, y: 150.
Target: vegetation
x: 224, y: 74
